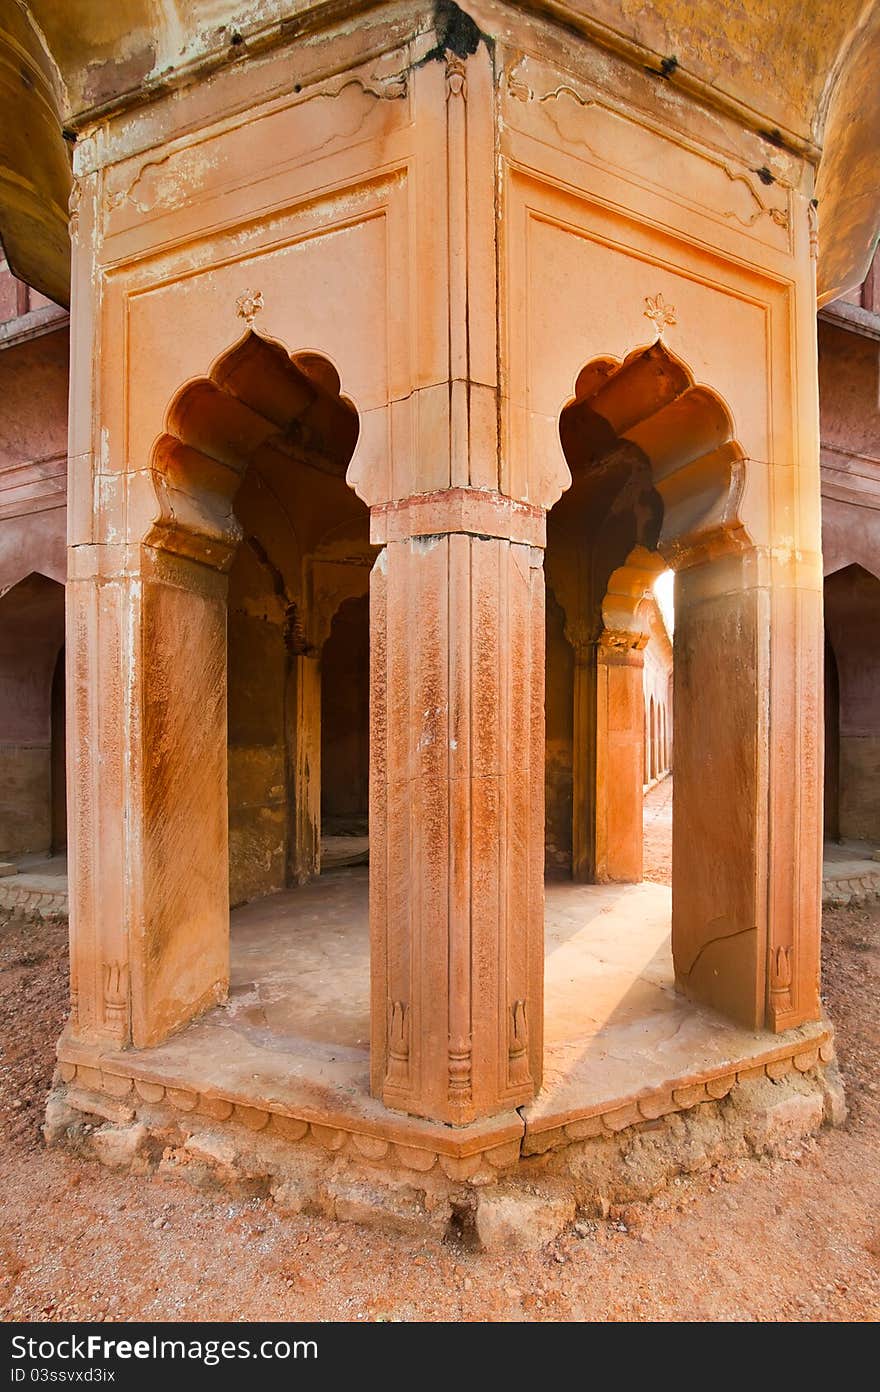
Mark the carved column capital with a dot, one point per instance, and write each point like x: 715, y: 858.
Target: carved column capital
x: 621, y: 645
x: 813, y: 222
x: 476, y: 512
x: 581, y: 636
x: 73, y: 203
x: 456, y: 75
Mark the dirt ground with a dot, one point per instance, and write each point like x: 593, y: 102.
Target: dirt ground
x: 794, y: 1239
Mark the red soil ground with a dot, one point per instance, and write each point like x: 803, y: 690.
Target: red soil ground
x: 792, y: 1239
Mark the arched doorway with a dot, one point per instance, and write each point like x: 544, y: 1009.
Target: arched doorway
x: 656, y: 479
x: 832, y: 744
x: 32, y: 758
x: 852, y: 714
x: 257, y: 542
x: 58, y: 758
x: 304, y: 547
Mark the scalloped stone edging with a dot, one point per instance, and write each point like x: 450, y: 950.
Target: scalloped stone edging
x: 120, y: 1098
x: 855, y: 890
x: 511, y: 1200
x: 22, y: 899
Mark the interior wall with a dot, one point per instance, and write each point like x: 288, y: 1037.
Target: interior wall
x: 257, y: 677
x: 559, y: 736
x: 33, y: 457
x: 345, y: 721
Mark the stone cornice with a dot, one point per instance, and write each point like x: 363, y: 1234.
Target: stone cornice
x: 262, y: 36
x: 853, y: 318
x: 35, y: 324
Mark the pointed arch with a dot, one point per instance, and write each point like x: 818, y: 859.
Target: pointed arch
x: 257, y: 402
x: 852, y: 719
x: 684, y: 430
x: 31, y: 642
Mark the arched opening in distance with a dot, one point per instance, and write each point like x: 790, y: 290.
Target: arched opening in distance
x: 32, y: 763
x: 58, y: 759
x: 656, y: 480
x: 852, y: 716
x: 657, y: 656
x: 653, y: 467
x: 832, y: 744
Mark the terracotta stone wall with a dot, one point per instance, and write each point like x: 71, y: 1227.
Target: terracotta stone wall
x: 860, y: 787
x: 25, y: 799
x: 58, y: 756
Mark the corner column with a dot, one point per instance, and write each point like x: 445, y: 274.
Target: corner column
x: 148, y: 836
x: 583, y: 796
x: 306, y: 799
x: 620, y: 720
x: 457, y: 804
x: 746, y: 822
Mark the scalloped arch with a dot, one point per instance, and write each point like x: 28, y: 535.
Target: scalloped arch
x: 256, y: 396
x: 651, y: 400
x: 629, y: 588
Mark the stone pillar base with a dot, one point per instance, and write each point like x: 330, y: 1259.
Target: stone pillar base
x: 514, y: 1181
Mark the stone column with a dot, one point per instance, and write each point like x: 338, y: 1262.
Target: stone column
x: 149, y: 912
x: 306, y: 790
x: 608, y: 756
x: 583, y: 791
x: 456, y: 804
x: 746, y: 810
x: 620, y: 704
